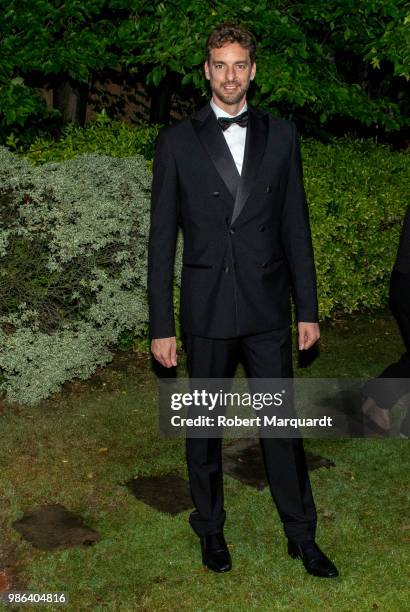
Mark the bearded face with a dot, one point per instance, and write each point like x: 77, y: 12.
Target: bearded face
x: 230, y: 71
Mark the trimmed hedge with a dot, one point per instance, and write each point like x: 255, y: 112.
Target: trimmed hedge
x: 358, y: 193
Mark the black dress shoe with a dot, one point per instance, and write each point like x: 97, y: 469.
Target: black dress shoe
x: 215, y: 553
x: 314, y: 560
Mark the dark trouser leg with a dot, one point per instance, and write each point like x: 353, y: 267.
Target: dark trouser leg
x: 269, y: 355
x: 400, y: 304
x: 208, y: 358
x: 386, y: 395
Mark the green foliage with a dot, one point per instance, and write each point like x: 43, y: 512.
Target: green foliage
x: 394, y: 43
x: 103, y: 136
x: 73, y: 243
x: 358, y: 193
x: 37, y: 37
x: 320, y: 61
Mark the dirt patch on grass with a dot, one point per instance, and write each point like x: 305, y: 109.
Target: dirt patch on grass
x: 53, y: 527
x: 168, y: 493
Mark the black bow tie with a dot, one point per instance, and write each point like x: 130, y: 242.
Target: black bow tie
x: 241, y: 120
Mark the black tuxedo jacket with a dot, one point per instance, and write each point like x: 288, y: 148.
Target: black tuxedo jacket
x: 247, y: 238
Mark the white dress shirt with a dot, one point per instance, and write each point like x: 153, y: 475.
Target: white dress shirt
x: 235, y: 135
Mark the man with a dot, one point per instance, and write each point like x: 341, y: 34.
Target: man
x: 231, y: 176
x: 382, y: 396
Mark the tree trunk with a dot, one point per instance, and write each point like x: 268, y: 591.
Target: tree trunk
x: 161, y: 98
x: 70, y: 98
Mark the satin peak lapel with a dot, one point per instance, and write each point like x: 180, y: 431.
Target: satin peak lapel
x: 256, y: 136
x: 213, y: 141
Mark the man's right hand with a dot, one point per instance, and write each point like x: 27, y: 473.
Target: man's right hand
x: 165, y: 351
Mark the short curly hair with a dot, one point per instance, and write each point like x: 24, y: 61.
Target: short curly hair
x: 229, y: 32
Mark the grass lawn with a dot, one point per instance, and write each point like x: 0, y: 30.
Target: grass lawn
x: 79, y: 447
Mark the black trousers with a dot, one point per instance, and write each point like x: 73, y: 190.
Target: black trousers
x: 386, y: 395
x: 265, y: 355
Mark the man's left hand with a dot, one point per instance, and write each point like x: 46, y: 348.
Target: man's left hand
x: 309, y: 333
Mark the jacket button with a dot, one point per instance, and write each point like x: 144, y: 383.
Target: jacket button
x: 232, y: 230
x: 269, y: 189
x: 216, y: 194
x: 226, y: 269
x: 264, y: 265
x: 261, y: 228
